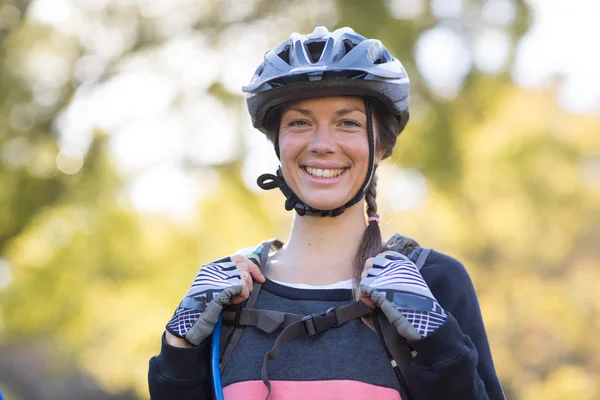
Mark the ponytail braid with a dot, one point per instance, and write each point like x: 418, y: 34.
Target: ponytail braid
x: 371, y: 243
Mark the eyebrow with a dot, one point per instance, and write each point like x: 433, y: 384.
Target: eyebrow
x: 301, y: 111
x: 343, y: 111
x: 348, y: 111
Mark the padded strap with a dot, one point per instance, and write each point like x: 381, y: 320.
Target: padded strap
x: 422, y: 258
x: 401, y: 244
x: 227, y: 348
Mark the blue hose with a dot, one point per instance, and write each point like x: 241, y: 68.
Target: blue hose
x: 215, y: 360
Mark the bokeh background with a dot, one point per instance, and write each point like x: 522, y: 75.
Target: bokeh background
x: 127, y: 159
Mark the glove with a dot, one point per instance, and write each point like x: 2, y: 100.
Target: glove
x: 396, y: 285
x: 199, y: 311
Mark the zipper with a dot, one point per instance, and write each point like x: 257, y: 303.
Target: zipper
x: 399, y: 375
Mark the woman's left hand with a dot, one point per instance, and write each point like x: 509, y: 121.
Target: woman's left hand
x: 394, y: 283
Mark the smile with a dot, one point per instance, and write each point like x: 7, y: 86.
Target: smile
x: 324, y: 173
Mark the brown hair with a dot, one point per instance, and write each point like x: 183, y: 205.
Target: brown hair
x: 387, y: 129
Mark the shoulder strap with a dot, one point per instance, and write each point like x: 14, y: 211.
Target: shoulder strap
x: 398, y: 350
x: 410, y: 248
x: 231, y: 334
x: 401, y: 244
x: 422, y: 258
x: 396, y: 345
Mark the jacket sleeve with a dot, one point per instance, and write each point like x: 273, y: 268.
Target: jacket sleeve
x: 455, y: 361
x: 181, y: 373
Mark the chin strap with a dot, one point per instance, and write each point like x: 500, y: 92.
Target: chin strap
x: 293, y: 202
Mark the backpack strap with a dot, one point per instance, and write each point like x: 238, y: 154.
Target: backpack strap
x: 231, y: 334
x: 267, y: 321
x: 397, y: 348
x: 311, y: 325
x: 422, y: 258
x: 396, y: 345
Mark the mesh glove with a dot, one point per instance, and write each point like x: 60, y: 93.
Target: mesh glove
x: 395, y: 284
x: 199, y: 310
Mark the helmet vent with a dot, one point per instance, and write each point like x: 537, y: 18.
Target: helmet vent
x: 285, y: 54
x: 348, y: 45
x: 315, y: 50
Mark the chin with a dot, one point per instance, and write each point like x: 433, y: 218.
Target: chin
x: 324, y: 202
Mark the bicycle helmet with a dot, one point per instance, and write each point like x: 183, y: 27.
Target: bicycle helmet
x: 325, y: 63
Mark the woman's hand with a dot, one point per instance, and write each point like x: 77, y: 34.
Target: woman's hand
x: 249, y: 272
x: 365, y: 298
x: 395, y: 284
x: 225, y: 281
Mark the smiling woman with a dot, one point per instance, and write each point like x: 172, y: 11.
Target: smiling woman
x: 324, y: 149
x: 408, y: 324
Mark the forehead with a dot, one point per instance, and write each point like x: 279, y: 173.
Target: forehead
x: 331, y: 103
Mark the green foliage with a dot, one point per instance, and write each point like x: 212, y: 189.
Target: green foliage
x: 508, y: 194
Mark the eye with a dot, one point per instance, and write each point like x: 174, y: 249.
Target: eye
x: 297, y: 123
x: 350, y: 123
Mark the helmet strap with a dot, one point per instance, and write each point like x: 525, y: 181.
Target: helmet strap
x: 270, y: 181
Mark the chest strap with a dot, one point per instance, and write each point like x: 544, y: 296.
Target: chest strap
x: 266, y: 320
x: 311, y: 325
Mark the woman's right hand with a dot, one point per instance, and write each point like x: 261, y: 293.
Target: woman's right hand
x: 249, y: 272
x: 225, y: 281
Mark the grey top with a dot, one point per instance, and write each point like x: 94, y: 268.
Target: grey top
x: 351, y: 352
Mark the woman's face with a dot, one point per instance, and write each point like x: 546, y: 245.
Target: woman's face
x: 324, y: 149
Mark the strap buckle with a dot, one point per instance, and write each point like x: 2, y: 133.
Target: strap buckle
x: 316, y: 323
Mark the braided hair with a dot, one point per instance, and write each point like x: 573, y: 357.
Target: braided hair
x: 371, y: 242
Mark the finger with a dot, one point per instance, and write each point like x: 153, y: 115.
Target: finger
x: 241, y: 267
x: 245, y: 293
x: 367, y: 300
x: 255, y: 271
x: 245, y: 287
x: 368, y: 266
x: 238, y: 258
x: 247, y: 279
x: 244, y: 274
x: 241, y: 258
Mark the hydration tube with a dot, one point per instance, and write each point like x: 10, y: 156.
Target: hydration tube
x: 216, y: 359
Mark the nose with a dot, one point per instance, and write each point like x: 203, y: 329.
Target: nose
x: 322, y: 141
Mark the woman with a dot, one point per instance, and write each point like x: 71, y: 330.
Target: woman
x: 333, y: 104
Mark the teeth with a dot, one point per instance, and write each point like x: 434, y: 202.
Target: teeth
x: 324, y: 173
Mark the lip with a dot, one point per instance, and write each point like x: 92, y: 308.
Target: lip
x: 323, y: 165
x: 326, y: 181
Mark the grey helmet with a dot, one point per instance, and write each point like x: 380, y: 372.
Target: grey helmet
x: 326, y: 63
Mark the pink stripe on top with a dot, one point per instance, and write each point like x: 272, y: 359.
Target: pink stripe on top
x: 313, y: 390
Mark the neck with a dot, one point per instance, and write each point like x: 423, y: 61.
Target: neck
x: 320, y: 250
